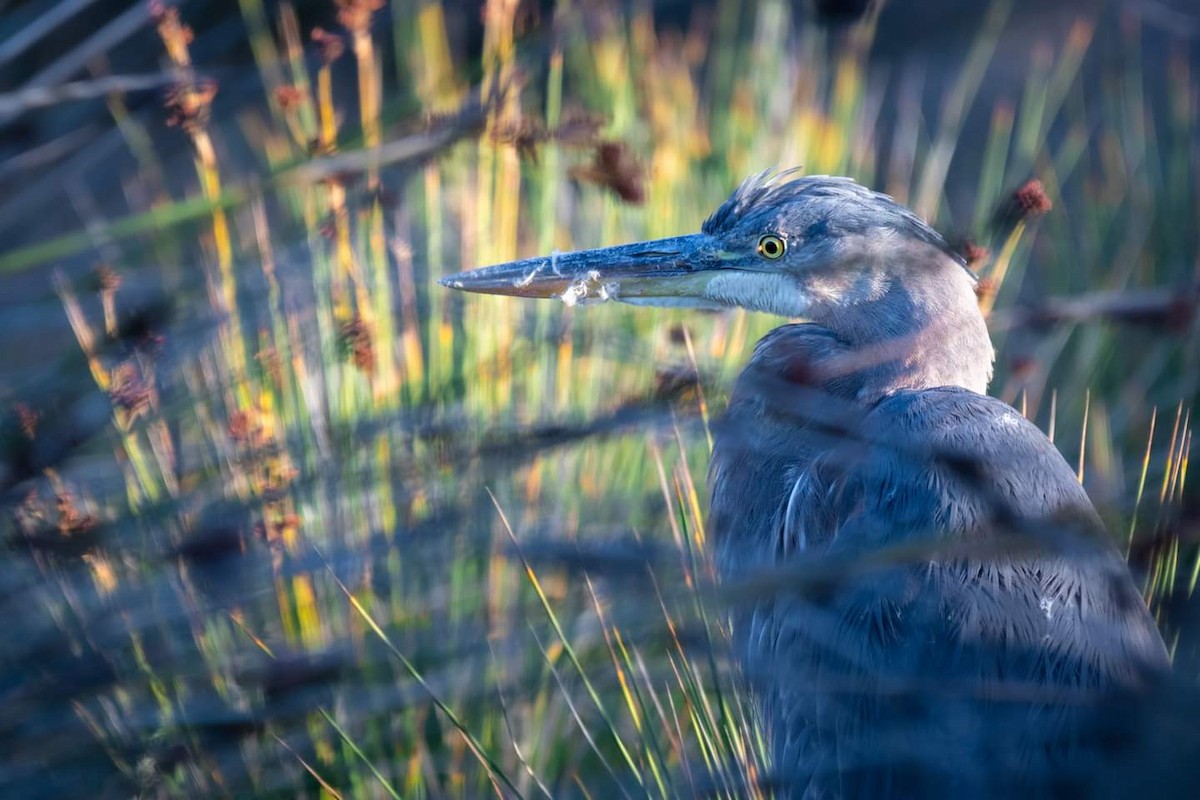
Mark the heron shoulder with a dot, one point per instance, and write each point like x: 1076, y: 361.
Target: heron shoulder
x: 959, y: 427
x: 945, y: 463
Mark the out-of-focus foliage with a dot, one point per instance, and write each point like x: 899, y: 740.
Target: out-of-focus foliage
x: 290, y: 519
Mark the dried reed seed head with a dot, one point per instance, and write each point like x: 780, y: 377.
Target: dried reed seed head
x: 986, y: 288
x: 1027, y: 201
x: 975, y: 254
x: 70, y: 518
x: 240, y: 426
x: 329, y: 45
x: 107, y: 278
x: 613, y: 167
x: 356, y: 338
x: 191, y: 106
x: 27, y: 418
x: 355, y: 15
x: 290, y: 97
x: 170, y: 28
x: 1031, y: 198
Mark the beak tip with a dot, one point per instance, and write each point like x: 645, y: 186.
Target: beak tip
x: 451, y: 282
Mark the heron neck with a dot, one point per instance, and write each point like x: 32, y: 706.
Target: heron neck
x: 915, y: 331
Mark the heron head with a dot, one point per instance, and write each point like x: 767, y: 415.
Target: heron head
x: 789, y: 246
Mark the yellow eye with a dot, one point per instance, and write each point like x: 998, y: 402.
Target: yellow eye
x: 771, y: 246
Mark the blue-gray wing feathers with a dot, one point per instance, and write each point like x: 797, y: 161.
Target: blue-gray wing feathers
x: 974, y: 669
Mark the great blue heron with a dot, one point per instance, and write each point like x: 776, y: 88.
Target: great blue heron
x: 977, y: 624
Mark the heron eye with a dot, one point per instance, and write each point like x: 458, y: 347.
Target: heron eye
x: 771, y: 246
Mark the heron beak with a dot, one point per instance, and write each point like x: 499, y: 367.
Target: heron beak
x: 672, y: 271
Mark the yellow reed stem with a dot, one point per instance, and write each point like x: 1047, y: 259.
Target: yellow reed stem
x: 1000, y: 267
x: 146, y: 486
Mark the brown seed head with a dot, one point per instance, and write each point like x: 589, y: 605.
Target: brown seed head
x: 975, y: 254
x: 1031, y: 198
x: 329, y: 45
x: 191, y: 106
x: 986, y: 289
x: 615, y: 168
x: 170, y: 28
x: 290, y: 97
x: 356, y: 338
x: 355, y: 15
x: 28, y: 420
x: 71, y: 519
x: 240, y: 427
x: 1028, y: 201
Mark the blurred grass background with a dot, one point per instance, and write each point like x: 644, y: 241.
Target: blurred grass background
x: 282, y: 517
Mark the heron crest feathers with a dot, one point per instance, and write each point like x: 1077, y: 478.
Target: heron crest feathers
x: 842, y: 206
